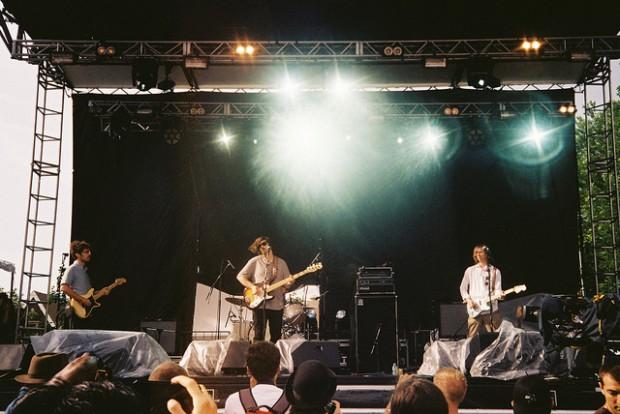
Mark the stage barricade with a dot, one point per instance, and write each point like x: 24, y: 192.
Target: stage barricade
x: 125, y: 354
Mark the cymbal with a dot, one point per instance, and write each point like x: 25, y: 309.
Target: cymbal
x: 239, y: 301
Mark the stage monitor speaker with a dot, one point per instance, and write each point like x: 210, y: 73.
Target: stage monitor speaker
x: 324, y: 351
x: 452, y: 320
x: 235, y: 360
x: 376, y: 332
x: 164, y: 333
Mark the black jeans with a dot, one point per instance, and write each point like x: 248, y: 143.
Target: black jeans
x: 274, y: 317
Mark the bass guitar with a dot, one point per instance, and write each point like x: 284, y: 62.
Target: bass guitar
x: 482, y: 305
x: 254, y: 300
x: 84, y: 312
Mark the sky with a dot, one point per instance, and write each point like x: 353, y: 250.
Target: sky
x: 17, y: 101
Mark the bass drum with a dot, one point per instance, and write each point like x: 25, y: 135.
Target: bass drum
x: 294, y: 314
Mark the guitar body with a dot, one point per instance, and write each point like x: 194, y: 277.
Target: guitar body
x: 254, y: 300
x: 81, y: 311
x: 483, y: 305
x: 84, y: 312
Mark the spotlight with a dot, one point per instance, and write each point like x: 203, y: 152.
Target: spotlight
x: 167, y: 85
x: 195, y: 62
x: 144, y: 74
x: 399, y: 140
x: 532, y: 45
x: 249, y: 50
x: 60, y: 58
x: 255, y: 141
x: 393, y: 51
x: 225, y: 138
x: 197, y: 109
x: 105, y: 50
x: 567, y: 109
x: 535, y: 135
x: 451, y: 111
x: 480, y: 75
x: 173, y: 130
x: 245, y: 50
x: 240, y: 50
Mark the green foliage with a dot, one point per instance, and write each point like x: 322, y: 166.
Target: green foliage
x: 595, y: 204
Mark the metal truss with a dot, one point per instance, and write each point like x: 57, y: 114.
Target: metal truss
x: 224, y: 52
x: 42, y: 203
x: 600, y: 242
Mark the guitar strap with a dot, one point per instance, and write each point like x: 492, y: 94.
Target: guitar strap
x: 493, y: 286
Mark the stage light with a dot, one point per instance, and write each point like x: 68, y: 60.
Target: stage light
x: 195, y: 62
x: 173, y: 130
x: 567, y: 109
x: 255, y: 141
x: 432, y: 138
x: 480, y: 75
x: 240, y: 50
x: 289, y: 86
x: 526, y: 45
x: 61, y: 58
x: 535, y: 135
x: 532, y: 45
x: 105, y: 50
x: 167, y: 85
x: 435, y: 62
x: 197, y: 110
x: 451, y: 111
x: 144, y: 74
x: 225, y: 138
x: 536, y: 45
x: 400, y: 140
x: 249, y: 50
x: 393, y: 51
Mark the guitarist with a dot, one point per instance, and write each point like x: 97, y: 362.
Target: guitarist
x: 264, y: 269
x: 475, y: 285
x: 76, y: 282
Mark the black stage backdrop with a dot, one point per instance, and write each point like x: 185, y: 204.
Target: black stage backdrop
x: 166, y: 216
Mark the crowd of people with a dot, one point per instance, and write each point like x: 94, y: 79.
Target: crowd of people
x: 55, y: 385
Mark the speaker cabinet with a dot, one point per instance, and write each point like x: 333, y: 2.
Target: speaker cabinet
x: 452, y: 320
x: 376, y: 332
x: 324, y: 351
x: 234, y: 362
x: 164, y: 333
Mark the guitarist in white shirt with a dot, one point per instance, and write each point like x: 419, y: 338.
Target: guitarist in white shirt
x: 265, y: 269
x: 475, y: 292
x: 76, y: 282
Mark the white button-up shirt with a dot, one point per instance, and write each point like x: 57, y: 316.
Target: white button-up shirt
x: 475, y: 283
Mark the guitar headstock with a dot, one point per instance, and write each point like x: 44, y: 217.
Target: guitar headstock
x: 120, y: 281
x: 314, y: 267
x: 520, y: 288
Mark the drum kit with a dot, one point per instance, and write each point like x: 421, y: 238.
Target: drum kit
x: 300, y: 316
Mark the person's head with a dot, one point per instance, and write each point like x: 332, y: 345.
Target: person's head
x: 43, y: 367
x: 310, y: 387
x: 481, y: 254
x: 609, y: 377
x: 261, y: 245
x: 160, y: 389
x: 417, y: 396
x: 80, y: 250
x: 531, y: 395
x: 263, y: 362
x: 452, y: 384
x: 105, y: 397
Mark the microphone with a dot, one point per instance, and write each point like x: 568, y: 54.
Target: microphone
x: 228, y: 262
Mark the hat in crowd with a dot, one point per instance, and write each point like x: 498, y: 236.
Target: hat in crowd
x: 43, y: 367
x: 531, y: 395
x: 311, y: 385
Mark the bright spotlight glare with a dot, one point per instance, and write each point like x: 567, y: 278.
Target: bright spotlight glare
x: 432, y: 138
x: 240, y: 50
x: 289, y: 86
x: 526, y: 45
x: 399, y: 140
x: 535, y: 135
x: 340, y: 86
x: 535, y: 45
x: 225, y: 138
x: 249, y: 49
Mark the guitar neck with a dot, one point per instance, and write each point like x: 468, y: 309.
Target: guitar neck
x: 99, y: 294
x: 286, y: 280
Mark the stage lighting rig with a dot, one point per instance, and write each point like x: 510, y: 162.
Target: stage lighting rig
x: 395, y: 50
x: 106, y: 50
x: 567, y: 109
x: 144, y: 74
x: 167, y: 85
x: 480, y: 75
x: 531, y: 45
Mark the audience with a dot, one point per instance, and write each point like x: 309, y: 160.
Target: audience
x: 160, y: 389
x: 531, y: 395
x: 453, y: 385
x: 417, y: 396
x: 310, y: 389
x: 263, y: 367
x: 201, y: 399
x: 609, y: 379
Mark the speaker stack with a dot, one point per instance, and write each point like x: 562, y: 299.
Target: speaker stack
x: 376, y: 320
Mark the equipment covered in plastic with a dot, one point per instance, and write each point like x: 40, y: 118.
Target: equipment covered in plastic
x: 513, y: 354
x: 125, y: 354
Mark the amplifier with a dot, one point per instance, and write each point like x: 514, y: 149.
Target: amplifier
x: 375, y: 285
x: 375, y: 272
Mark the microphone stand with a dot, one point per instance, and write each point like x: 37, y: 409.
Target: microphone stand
x: 219, y: 296
x: 490, y: 296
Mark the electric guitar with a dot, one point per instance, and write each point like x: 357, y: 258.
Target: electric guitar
x: 254, y: 300
x: 482, y: 305
x: 84, y: 312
